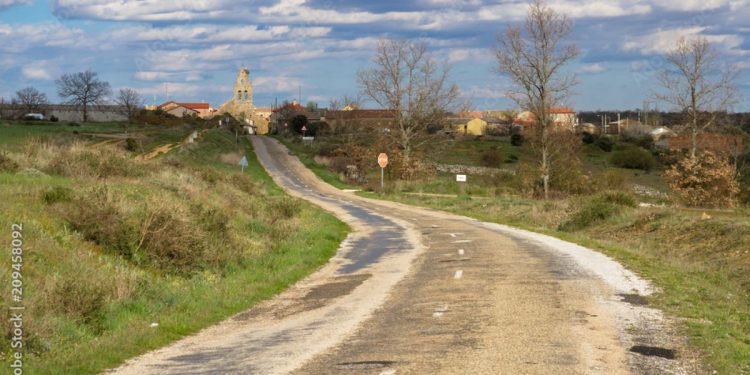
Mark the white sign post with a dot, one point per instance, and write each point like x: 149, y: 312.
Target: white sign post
x: 461, y: 179
x: 382, y: 162
x: 243, y: 163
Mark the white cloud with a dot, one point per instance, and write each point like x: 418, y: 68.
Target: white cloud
x: 206, y: 33
x: 692, y: 5
x: 37, y: 70
x: 10, y: 3
x: 664, y: 40
x: 592, y: 68
x: 47, y: 34
x: 275, y: 84
x: 474, y: 54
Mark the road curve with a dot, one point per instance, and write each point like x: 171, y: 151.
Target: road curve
x: 417, y: 291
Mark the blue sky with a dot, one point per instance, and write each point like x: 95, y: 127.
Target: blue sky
x: 196, y: 47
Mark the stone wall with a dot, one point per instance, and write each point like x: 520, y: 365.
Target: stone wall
x: 68, y: 113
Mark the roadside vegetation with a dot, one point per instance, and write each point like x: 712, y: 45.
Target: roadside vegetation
x: 124, y: 255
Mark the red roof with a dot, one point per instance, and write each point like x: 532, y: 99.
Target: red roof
x: 193, y: 106
x: 361, y: 114
x: 561, y: 110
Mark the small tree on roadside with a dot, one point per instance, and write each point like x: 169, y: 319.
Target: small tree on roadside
x: 31, y: 99
x: 533, y: 59
x: 705, y: 180
x: 130, y: 102
x: 83, y: 89
x: 409, y: 82
x: 695, y: 82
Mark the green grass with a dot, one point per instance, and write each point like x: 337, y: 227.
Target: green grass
x: 275, y: 250
x: 304, y: 153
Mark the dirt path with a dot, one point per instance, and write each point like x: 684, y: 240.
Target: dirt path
x: 416, y: 291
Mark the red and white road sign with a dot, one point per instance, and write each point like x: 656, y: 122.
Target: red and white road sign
x: 383, y: 160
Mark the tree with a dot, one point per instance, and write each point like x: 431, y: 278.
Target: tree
x: 83, y: 89
x: 533, y: 59
x: 346, y: 102
x: 130, y: 102
x: 298, y: 122
x: 705, y: 180
x: 31, y: 99
x: 697, y: 85
x: 311, y: 106
x: 414, y: 86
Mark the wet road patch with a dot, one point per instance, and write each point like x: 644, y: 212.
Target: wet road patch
x: 337, y: 288
x: 653, y: 351
x: 364, y: 365
x: 634, y: 299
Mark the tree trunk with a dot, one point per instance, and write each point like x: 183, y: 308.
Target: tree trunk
x: 694, y: 141
x: 85, y: 113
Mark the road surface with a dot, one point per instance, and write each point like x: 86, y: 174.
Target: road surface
x: 416, y: 291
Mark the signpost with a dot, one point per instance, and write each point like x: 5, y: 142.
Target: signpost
x: 461, y: 179
x: 243, y: 163
x: 382, y: 162
x: 304, y: 130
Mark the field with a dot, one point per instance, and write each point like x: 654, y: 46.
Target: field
x: 698, y: 259
x: 123, y: 255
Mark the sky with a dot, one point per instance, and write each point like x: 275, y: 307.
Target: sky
x: 192, y: 50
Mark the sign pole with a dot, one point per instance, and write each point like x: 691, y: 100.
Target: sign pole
x: 382, y: 179
x: 382, y: 162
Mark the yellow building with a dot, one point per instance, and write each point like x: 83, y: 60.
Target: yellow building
x: 470, y: 126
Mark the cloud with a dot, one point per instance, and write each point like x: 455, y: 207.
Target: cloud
x: 463, y: 54
x: 664, y: 40
x: 37, y: 70
x: 47, y: 34
x: 209, y: 34
x: 9, y: 3
x: 692, y: 5
x: 592, y: 68
x: 277, y: 84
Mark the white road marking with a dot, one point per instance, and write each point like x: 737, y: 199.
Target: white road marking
x: 439, y: 311
x: 434, y: 226
x: 463, y: 241
x: 452, y: 235
x: 460, y: 251
x: 388, y: 372
x: 437, y: 314
x: 458, y: 274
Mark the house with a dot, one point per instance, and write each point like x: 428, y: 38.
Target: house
x: 562, y: 117
x: 468, y: 126
x: 587, y: 127
x: 202, y: 110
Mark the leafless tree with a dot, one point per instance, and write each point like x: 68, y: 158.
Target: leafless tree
x: 408, y: 81
x: 83, y: 89
x: 533, y: 58
x: 130, y: 102
x: 31, y: 99
x: 695, y: 82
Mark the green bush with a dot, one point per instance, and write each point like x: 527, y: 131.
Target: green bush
x: 517, y: 140
x: 604, y: 143
x: 131, y: 145
x: 634, y: 158
x: 491, y: 158
x: 57, y: 194
x: 285, y: 209
x: 600, y: 207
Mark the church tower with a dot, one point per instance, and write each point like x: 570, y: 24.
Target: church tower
x: 243, y: 89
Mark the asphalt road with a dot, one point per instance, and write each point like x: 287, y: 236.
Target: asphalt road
x: 416, y: 291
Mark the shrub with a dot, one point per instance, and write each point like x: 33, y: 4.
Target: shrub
x: 7, y: 164
x: 491, y: 158
x: 604, y: 143
x: 703, y: 181
x: 57, y: 194
x: 511, y: 159
x: 169, y: 240
x: 589, y: 138
x: 74, y: 124
x: 96, y: 215
x: 634, y: 158
x: 517, y: 140
x: 612, y: 179
x: 284, y: 209
x: 78, y: 296
x: 598, y: 208
x: 327, y: 150
x: 54, y: 118
x: 131, y: 145
x: 298, y: 122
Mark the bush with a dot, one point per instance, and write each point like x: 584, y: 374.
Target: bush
x: 57, y: 194
x: 588, y: 138
x: 54, y: 118
x: 601, y: 207
x: 74, y: 124
x: 131, y: 145
x: 634, y: 158
x: 327, y: 150
x: 78, y: 296
x: 7, y: 164
x: 491, y: 158
x: 298, y: 122
x: 517, y: 140
x: 285, y: 209
x: 703, y: 181
x: 169, y: 240
x: 604, y: 143
x: 96, y: 215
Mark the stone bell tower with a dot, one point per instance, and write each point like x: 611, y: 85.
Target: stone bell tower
x: 243, y: 89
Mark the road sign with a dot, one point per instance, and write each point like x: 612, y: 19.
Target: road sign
x: 383, y: 160
x: 461, y: 177
x: 243, y: 163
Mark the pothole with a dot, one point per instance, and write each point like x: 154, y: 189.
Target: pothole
x: 653, y: 351
x: 364, y: 365
x: 634, y: 299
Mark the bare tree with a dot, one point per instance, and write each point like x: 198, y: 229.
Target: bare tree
x: 31, y: 99
x: 83, y: 89
x: 533, y: 59
x: 408, y: 81
x: 346, y: 101
x: 130, y: 102
x: 697, y: 84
